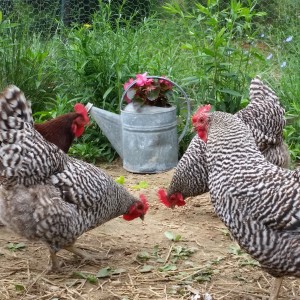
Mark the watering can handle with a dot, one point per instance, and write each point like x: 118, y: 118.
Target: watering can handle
x: 187, y: 100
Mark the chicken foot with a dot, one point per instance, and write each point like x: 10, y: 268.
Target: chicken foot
x: 275, y: 288
x: 55, y: 265
x: 85, y: 256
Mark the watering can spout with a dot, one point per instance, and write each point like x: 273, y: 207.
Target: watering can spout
x: 110, y: 124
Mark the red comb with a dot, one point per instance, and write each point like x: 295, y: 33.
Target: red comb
x: 80, y: 109
x: 202, y: 109
x: 172, y: 201
x: 146, y: 204
x: 162, y: 194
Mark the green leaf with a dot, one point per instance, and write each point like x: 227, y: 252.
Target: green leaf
x: 89, y: 277
x: 167, y: 268
x: 19, y: 287
x: 104, y: 272
x: 153, y: 95
x: 15, y: 247
x: 118, y: 271
x: 187, y: 46
x: 120, y: 180
x: 107, y: 92
x: 235, y: 250
x: 202, y: 9
x: 231, y: 92
x: 140, y: 185
x: 146, y: 269
x: 171, y: 236
x: 143, y: 255
x: 131, y: 93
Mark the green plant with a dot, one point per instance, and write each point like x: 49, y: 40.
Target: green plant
x: 222, y: 44
x: 150, y: 91
x: 16, y: 246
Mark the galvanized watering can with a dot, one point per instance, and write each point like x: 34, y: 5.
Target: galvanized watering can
x: 146, y: 139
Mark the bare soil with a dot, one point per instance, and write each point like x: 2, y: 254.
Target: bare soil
x: 138, y: 261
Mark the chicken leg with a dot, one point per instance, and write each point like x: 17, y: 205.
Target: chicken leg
x: 86, y: 257
x: 275, y: 288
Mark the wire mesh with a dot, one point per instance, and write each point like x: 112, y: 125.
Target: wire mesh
x: 46, y: 14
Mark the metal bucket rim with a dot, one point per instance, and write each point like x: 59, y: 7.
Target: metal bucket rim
x: 166, y: 109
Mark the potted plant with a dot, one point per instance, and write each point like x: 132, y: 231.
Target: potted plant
x: 148, y: 91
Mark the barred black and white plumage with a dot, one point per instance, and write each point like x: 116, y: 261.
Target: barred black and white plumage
x: 48, y: 195
x: 264, y: 116
x: 258, y: 201
x: 192, y: 163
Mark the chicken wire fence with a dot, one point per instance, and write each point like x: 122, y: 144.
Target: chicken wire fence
x: 46, y: 14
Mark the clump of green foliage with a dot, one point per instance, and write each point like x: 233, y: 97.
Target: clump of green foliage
x: 211, y: 48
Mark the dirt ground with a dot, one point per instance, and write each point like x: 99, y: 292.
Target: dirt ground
x: 140, y: 260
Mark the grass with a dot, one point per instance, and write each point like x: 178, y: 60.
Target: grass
x: 211, y: 50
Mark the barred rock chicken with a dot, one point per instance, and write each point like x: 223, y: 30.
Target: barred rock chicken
x: 190, y: 177
x: 47, y: 195
x: 264, y: 116
x: 63, y: 129
x: 258, y: 201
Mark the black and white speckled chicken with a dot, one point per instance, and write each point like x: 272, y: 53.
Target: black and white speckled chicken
x: 258, y: 201
x: 264, y: 116
x: 47, y: 195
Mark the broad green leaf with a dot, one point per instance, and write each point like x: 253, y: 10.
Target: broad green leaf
x: 146, y: 269
x: 131, y: 93
x: 120, y: 180
x: 153, y: 95
x: 171, y: 236
x: 104, y: 272
x: 143, y: 255
x: 187, y: 46
x: 140, y: 185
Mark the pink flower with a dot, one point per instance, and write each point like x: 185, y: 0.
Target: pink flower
x: 128, y: 83
x: 141, y: 79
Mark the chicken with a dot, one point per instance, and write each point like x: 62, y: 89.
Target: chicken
x: 264, y: 116
x: 47, y: 195
x: 185, y: 182
x: 258, y: 201
x: 63, y: 129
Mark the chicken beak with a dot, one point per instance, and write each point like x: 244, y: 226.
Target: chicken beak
x: 142, y: 217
